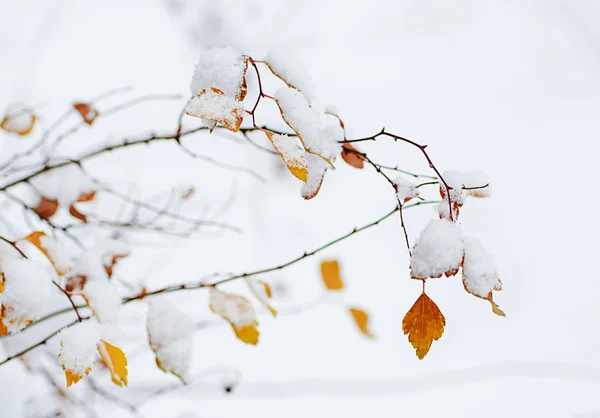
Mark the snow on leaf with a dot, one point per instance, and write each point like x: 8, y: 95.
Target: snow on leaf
x: 87, y: 112
x: 438, y: 251
x: 495, y: 308
x: 480, y: 277
x: 361, y: 319
x: 423, y: 323
x: 170, y: 335
x: 64, y: 184
x: 54, y: 251
x: 291, y: 71
x: 223, y: 69
x: 214, y: 105
x: 115, y: 361
x: 405, y: 190
x: 103, y: 299
x: 317, y: 168
x: 352, y: 156
x: 46, y: 208
x: 238, y: 311
x: 292, y: 153
x: 262, y: 292
x: 78, y: 347
x: 330, y: 273
x: 20, y: 122
x: 27, y: 286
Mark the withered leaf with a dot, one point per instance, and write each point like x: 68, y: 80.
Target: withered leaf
x: 20, y: 123
x: 423, y: 323
x: 361, y: 318
x: 295, y: 162
x: 76, y: 214
x: 46, y: 208
x: 352, y: 156
x: 87, y: 112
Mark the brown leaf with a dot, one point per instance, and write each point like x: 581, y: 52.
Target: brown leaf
x: 46, y: 208
x: 352, y: 156
x: 86, y: 197
x: 361, y: 318
x: 20, y: 123
x: 76, y: 214
x: 87, y: 112
x: 330, y: 272
x: 423, y: 323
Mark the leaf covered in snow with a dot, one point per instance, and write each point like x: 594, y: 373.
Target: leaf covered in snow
x: 20, y: 122
x: 238, y: 311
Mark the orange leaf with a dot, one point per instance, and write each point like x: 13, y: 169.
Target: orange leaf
x: 76, y: 214
x: 423, y: 323
x: 73, y: 378
x: 361, y: 318
x: 46, y: 208
x: 352, y: 156
x: 87, y: 112
x: 35, y: 238
x: 86, y: 197
x: 115, y: 360
x: 292, y: 157
x: 330, y: 272
x: 21, y: 123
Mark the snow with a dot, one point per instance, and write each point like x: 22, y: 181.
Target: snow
x: 292, y: 71
x: 306, y: 122
x: 405, y: 190
x: 27, y: 285
x: 479, y: 272
x: 78, y: 347
x: 65, y: 184
x: 104, y: 300
x: 317, y: 168
x: 57, y: 252
x: 216, y: 107
x: 438, y: 250
x: 170, y: 333
x: 291, y: 150
x: 222, y: 69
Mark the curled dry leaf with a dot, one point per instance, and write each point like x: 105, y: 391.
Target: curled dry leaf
x: 291, y: 152
x: 423, y: 323
x: 330, y: 272
x: 352, y: 156
x: 76, y: 214
x: 87, y: 112
x: 46, y: 208
x: 115, y: 361
x: 20, y: 122
x: 361, y: 318
x: 238, y: 311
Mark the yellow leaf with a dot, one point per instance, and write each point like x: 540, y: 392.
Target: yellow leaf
x: 115, y: 360
x: 35, y: 238
x: 330, y: 272
x: 3, y: 328
x: 238, y: 311
x: 423, y: 323
x: 293, y: 158
x: 495, y: 308
x: 73, y: 378
x: 361, y: 318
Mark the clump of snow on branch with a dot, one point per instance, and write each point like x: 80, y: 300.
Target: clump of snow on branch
x: 170, y: 333
x: 78, y: 347
x: 479, y: 272
x: 222, y: 69
x: 438, y: 250
x: 292, y: 71
x: 27, y: 286
x: 405, y: 190
x: 64, y: 184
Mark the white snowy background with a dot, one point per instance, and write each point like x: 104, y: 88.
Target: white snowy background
x: 509, y: 87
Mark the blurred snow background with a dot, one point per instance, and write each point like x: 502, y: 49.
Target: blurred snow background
x: 510, y: 87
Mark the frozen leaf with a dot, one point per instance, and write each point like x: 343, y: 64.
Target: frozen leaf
x: 76, y: 214
x: 423, y: 323
x: 285, y: 66
x: 52, y: 249
x: 405, y: 190
x: 27, y: 285
x: 317, y: 168
x: 352, y: 156
x: 262, y: 292
x: 170, y: 333
x: 330, y: 272
x: 20, y: 122
x: 214, y: 105
x: 115, y: 361
x: 46, y: 208
x: 238, y: 311
x: 292, y: 153
x: 438, y: 251
x: 361, y: 318
x: 87, y: 112
x: 223, y: 69
x: 78, y: 348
